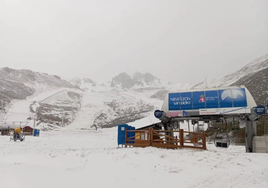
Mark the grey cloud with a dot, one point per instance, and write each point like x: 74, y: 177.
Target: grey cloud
x: 176, y: 40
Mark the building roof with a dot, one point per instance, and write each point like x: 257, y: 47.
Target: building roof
x: 14, y: 124
x: 155, y: 125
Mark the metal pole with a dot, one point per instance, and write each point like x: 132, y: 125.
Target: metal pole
x: 251, y: 131
x: 34, y: 120
x: 62, y: 120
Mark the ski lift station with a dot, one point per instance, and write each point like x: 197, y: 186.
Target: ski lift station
x: 210, y: 106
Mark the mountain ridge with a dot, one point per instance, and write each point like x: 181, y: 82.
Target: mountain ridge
x: 252, y: 67
x: 124, y: 99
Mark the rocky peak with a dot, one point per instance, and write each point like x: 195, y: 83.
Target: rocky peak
x: 145, y: 77
x: 125, y: 81
x: 138, y: 79
x: 30, y: 77
x: 89, y: 81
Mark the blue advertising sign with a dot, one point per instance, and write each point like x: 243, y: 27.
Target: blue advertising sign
x: 239, y: 97
x: 260, y: 110
x: 186, y: 101
x: 212, y: 99
x: 174, y: 101
x: 208, y: 99
x: 199, y: 99
x: 226, y: 98
x: 158, y: 114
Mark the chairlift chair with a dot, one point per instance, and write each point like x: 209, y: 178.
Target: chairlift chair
x: 222, y: 139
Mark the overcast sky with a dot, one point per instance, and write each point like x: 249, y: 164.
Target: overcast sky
x: 176, y: 40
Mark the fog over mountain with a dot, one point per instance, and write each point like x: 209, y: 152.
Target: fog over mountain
x: 124, y: 99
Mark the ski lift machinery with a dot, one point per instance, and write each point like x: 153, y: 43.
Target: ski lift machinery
x: 212, y: 105
x: 221, y: 138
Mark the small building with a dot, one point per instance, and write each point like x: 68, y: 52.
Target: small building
x: 5, y: 131
x: 6, y: 128
x: 28, y: 130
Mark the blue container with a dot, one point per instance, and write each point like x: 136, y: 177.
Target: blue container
x: 121, y: 134
x: 36, y: 132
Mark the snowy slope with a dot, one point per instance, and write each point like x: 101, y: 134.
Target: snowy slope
x: 249, y: 69
x: 102, y: 106
x: 106, y: 108
x: 257, y: 85
x: 19, y: 110
x: 252, y: 67
x: 91, y: 159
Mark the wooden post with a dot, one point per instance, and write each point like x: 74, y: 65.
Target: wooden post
x: 204, y: 141
x: 181, y: 138
x: 151, y: 136
x: 125, y: 137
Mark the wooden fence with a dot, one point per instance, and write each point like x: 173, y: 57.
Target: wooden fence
x: 165, y: 139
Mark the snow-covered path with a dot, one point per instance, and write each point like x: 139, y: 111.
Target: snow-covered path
x: 20, y: 109
x: 91, y: 158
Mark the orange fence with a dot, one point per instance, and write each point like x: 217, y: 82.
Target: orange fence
x: 166, y: 139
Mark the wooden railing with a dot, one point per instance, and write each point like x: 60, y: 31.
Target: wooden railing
x: 194, y: 140
x: 165, y: 139
x: 141, y: 138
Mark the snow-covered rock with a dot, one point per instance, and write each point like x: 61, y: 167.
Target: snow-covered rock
x: 249, y: 69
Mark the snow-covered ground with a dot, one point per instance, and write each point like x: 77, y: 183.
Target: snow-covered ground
x: 89, y: 158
